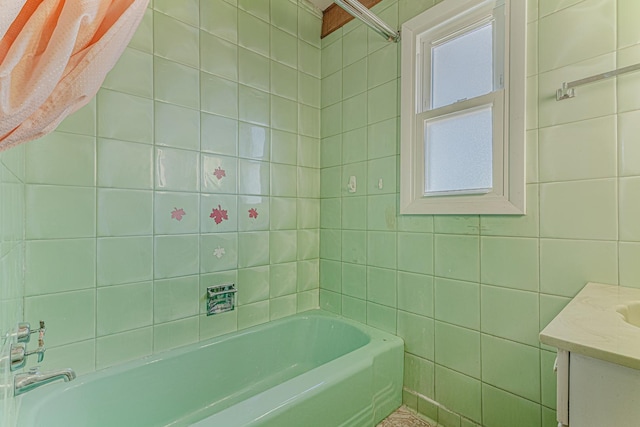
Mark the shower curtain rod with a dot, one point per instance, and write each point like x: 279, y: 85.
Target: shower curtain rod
x: 357, y: 10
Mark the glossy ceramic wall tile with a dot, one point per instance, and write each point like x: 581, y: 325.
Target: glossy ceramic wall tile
x: 198, y: 163
x: 469, y: 294
x: 12, y: 255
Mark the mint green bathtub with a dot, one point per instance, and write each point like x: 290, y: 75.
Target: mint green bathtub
x: 310, y: 369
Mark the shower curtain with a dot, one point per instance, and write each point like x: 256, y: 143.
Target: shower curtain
x: 54, y: 55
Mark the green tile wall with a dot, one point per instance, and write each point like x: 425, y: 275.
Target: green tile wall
x: 469, y: 294
x: 112, y: 213
x: 12, y: 255
x: 212, y: 113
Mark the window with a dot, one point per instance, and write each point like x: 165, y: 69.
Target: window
x: 462, y: 112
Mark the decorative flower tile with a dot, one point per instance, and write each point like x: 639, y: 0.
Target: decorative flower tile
x: 178, y: 214
x: 219, y: 252
x: 253, y: 213
x: 219, y: 173
x: 218, y: 214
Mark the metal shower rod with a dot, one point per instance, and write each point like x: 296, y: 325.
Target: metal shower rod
x: 357, y: 10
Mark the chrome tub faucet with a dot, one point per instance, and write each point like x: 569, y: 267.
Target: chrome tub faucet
x: 17, y: 359
x: 34, y: 378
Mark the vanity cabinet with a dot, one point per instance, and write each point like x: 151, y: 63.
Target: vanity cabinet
x: 599, y: 393
x: 598, y: 365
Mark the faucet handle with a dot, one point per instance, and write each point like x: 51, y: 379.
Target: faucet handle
x: 39, y: 351
x: 18, y: 359
x: 23, y: 334
x: 19, y: 355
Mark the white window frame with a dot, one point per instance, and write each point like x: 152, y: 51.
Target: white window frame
x: 508, y: 193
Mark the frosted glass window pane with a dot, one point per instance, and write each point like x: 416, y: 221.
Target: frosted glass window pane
x: 463, y: 67
x: 458, y: 152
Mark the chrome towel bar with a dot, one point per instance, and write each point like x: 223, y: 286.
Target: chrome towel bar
x: 568, y: 89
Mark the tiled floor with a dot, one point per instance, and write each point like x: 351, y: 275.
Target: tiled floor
x: 403, y: 417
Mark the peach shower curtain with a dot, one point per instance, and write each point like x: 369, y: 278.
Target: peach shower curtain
x: 54, y: 55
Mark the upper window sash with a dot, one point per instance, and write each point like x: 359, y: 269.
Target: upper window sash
x: 489, y: 12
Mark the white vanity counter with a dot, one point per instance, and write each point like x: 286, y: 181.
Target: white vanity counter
x: 591, y: 325
x: 598, y: 364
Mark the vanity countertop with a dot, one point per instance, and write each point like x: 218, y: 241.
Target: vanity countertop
x: 591, y: 326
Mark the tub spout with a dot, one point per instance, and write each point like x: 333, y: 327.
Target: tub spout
x: 34, y: 378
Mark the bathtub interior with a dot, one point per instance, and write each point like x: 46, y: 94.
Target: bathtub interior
x: 183, y: 386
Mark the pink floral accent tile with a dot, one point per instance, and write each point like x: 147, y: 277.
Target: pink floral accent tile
x: 178, y: 214
x: 253, y: 213
x: 219, y: 173
x: 219, y: 214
